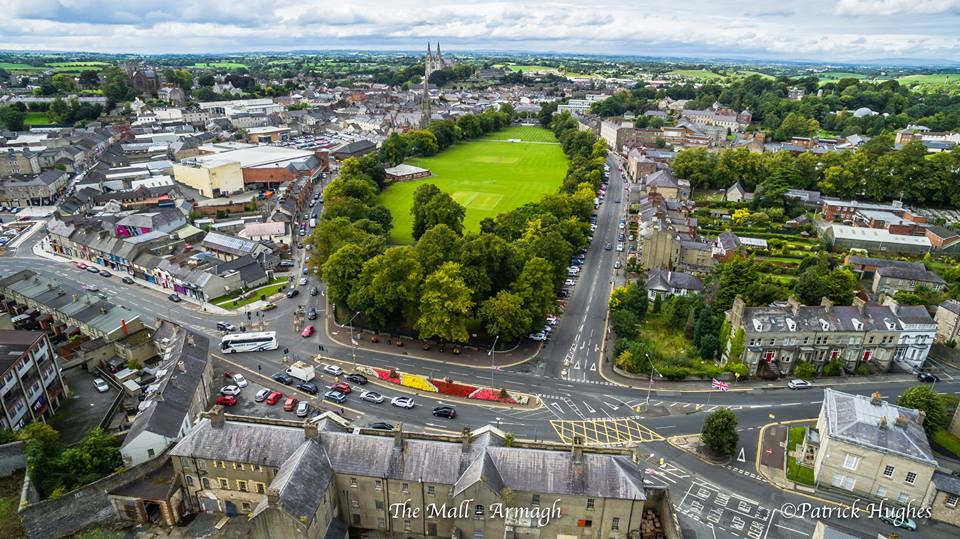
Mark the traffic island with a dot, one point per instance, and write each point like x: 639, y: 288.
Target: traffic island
x: 693, y: 444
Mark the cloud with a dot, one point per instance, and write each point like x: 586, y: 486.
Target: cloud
x: 894, y: 7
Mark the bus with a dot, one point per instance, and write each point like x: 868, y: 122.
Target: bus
x: 249, y: 342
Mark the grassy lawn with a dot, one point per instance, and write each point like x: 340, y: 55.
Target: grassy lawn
x: 36, y: 118
x: 20, y: 68
x: 702, y: 74
x: 527, y: 68
x: 88, y: 65
x: 488, y: 176
x: 948, y: 441
x: 220, y: 65
x: 795, y: 472
x: 226, y: 301
x: 933, y: 82
x: 670, y: 340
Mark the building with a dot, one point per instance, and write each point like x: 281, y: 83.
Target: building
x: 776, y: 337
x: 664, y: 283
x: 317, y: 478
x: 667, y: 185
x: 873, y: 449
x: 227, y: 247
x: 357, y: 148
x: 268, y: 135
x: 736, y: 193
x: 31, y: 388
x: 171, y: 403
x: 18, y: 161
x: 232, y: 168
x: 945, y: 506
x: 172, y: 95
x: 948, y: 321
x: 43, y: 189
x: 892, y: 279
x: 143, y: 78
x: 616, y: 132
x: 876, y: 240
x: 404, y: 172
x: 212, y: 178
x: 639, y: 165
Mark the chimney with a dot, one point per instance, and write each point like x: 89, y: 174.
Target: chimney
x: 216, y: 417
x: 465, y: 439
x: 921, y: 417
x: 876, y: 399
x: 311, y: 430
x: 859, y: 303
x: 826, y: 304
x: 273, y: 497
x: 902, y: 421
x: 736, y: 312
x: 883, y: 422
x: 123, y: 324
x: 190, y: 338
x: 577, y: 456
x: 398, y: 437
x: 794, y: 305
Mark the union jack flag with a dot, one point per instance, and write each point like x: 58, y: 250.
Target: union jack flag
x: 722, y: 386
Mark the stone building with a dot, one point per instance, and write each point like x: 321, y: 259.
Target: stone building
x: 948, y: 320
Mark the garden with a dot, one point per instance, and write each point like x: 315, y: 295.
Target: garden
x: 796, y: 472
x: 239, y: 298
x: 445, y: 386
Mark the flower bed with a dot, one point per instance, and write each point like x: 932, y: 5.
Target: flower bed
x: 416, y: 382
x: 453, y: 388
x: 384, y: 375
x: 487, y: 394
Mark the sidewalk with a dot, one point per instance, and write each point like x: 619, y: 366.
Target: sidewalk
x: 206, y: 307
x: 469, y: 356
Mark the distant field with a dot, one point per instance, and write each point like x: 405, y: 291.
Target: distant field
x: 746, y: 73
x: 528, y: 68
x: 85, y: 65
x: 36, y: 118
x: 488, y: 176
x: 935, y: 82
x: 219, y: 65
x: 13, y: 66
x: 695, y: 74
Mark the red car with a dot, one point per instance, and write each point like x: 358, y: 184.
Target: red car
x: 274, y: 397
x: 307, y: 331
x: 290, y: 404
x: 81, y: 265
x: 341, y: 387
x: 226, y: 400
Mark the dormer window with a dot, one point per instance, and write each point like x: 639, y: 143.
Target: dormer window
x: 757, y: 325
x: 857, y: 325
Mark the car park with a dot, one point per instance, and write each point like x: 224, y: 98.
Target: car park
x: 381, y: 425
x: 333, y: 370
x: 224, y: 326
x: 342, y: 388
x: 127, y: 280
x: 797, y: 383
x: 402, y: 402
x: 174, y: 298
x: 303, y: 409
x: 290, y: 404
x: 283, y: 378
x: 262, y: 395
x: 230, y: 390
x: 371, y: 396
x: 539, y: 336
x: 240, y: 380
x: 226, y: 400
x: 273, y: 398
x: 101, y: 385
x: 307, y: 331
x: 312, y: 313
x: 927, y: 377
x: 445, y: 411
x: 308, y: 387
x: 356, y: 378
x: 335, y: 396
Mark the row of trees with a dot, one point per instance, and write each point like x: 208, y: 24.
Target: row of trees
x: 441, y: 134
x: 875, y: 171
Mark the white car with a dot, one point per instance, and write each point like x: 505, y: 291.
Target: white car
x: 402, y: 402
x: 230, y: 390
x: 552, y: 320
x: 622, y: 226
x: 539, y: 336
x: 371, y: 396
x: 240, y: 380
x: 101, y: 385
x: 333, y: 370
x: 797, y: 383
x: 620, y: 247
x: 303, y: 281
x: 570, y: 282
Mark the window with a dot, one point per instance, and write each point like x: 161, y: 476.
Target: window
x: 381, y: 524
x: 536, y: 499
x: 189, y: 480
x: 952, y: 500
x: 616, y: 523
x: 356, y: 519
x: 353, y: 482
x: 903, y: 498
x: 478, y: 510
x: 205, y: 482
x: 405, y: 487
x: 407, y: 526
x: 201, y: 464
x: 224, y: 484
x: 241, y: 485
x: 881, y: 492
x: 237, y: 465
x: 431, y: 490
x: 851, y: 462
x: 379, y: 504
x: 842, y: 481
x: 245, y: 506
x: 256, y: 467
x: 261, y: 488
x: 151, y: 453
x: 911, y: 477
x: 355, y: 503
x: 888, y: 471
x: 377, y: 484
x: 219, y: 464
x: 590, y: 502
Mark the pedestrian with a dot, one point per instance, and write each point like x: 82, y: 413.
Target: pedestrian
x: 341, y: 410
x: 259, y: 368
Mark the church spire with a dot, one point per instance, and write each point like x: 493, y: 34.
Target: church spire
x: 438, y: 51
x: 429, y: 51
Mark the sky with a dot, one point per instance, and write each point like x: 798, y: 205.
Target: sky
x: 817, y: 30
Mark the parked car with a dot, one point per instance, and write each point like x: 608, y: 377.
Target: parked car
x: 356, y: 378
x: 303, y: 409
x: 538, y: 336
x: 381, y: 425
x: 230, y: 390
x: 283, y: 378
x: 797, y: 383
x: 269, y: 307
x: 342, y: 388
x: 335, y: 396
x: 308, y: 387
x: 371, y: 396
x: 402, y: 402
x: 101, y: 385
x: 292, y: 293
x: 226, y: 400
x: 93, y: 269
x: 332, y: 370
x: 239, y: 380
x: 312, y: 313
x: 290, y: 404
x: 445, y: 411
x: 891, y: 517
x: 174, y: 298
x: 927, y: 377
x: 127, y: 280
x: 261, y: 395
x: 105, y: 273
x: 620, y: 247
x: 273, y: 397
x: 225, y: 326
x: 306, y: 270
x: 570, y: 282
x: 314, y: 291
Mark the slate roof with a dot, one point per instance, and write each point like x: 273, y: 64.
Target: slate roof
x: 661, y: 178
x: 946, y: 483
x: 943, y: 231
x: 856, y: 260
x: 855, y: 419
x: 913, y: 274
x: 302, y: 481
x: 228, y: 244
x: 661, y: 279
x: 266, y: 445
x: 951, y: 305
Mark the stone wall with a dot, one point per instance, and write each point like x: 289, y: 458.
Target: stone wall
x: 83, y: 507
x: 12, y: 458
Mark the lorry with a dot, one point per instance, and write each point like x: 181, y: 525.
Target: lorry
x: 302, y: 371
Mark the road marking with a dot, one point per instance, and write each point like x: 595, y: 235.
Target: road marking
x: 791, y: 529
x: 604, y: 432
x: 590, y: 408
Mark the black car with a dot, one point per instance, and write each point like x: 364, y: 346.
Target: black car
x: 308, y: 387
x: 356, y: 378
x: 312, y: 313
x: 445, y: 411
x: 174, y: 298
x: 127, y: 280
x: 927, y: 377
x: 292, y: 293
x: 381, y: 425
x: 105, y: 273
x: 314, y: 291
x: 283, y: 378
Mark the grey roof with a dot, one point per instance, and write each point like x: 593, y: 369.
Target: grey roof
x: 228, y: 244
x: 946, y: 483
x: 943, y: 231
x: 857, y: 260
x: 913, y: 274
x: 951, y: 305
x: 661, y: 178
x: 856, y: 420
x: 661, y: 279
x: 302, y: 481
x: 266, y: 445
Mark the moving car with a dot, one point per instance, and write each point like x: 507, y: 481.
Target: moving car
x: 230, y: 390
x: 381, y: 425
x: 174, y: 298
x: 333, y: 370
x: 269, y: 307
x: 127, y: 280
x: 93, y: 269
x: 607, y: 246
x: 101, y: 385
x: 402, y: 402
x: 273, y: 397
x: 371, y: 396
x: 80, y: 265
x: 307, y: 331
x: 797, y: 383
x: 262, y: 395
x: 314, y: 291
x: 335, y: 396
x: 927, y: 377
x: 225, y: 326
x: 303, y: 281
x: 445, y: 411
x: 356, y: 378
x: 290, y: 404
x: 308, y: 387
x: 303, y: 409
x: 283, y: 378
x: 226, y: 400
x: 292, y: 293
x: 90, y: 287
x: 342, y: 388
x: 891, y: 517
x: 312, y: 313
x: 105, y: 273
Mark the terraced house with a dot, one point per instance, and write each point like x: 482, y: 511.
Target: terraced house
x: 776, y: 337
x: 317, y: 479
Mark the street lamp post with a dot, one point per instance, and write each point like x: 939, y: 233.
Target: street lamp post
x: 353, y: 343
x: 492, y: 354
x: 650, y: 385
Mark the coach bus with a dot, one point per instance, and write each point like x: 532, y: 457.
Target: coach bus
x: 248, y: 342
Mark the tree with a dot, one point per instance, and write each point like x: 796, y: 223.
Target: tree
x: 422, y: 142
x: 921, y: 397
x: 439, y: 244
x: 371, y: 166
x: 740, y: 216
x: 394, y: 149
x: 505, y: 316
x: 445, y: 305
x: 342, y: 271
x: 388, y: 289
x: 115, y: 86
x: 90, y: 79
x: 12, y: 118
x: 488, y: 264
x: 625, y: 324
x: 64, y: 83
x: 736, y: 345
x: 805, y: 370
x: 432, y: 207
x: 545, y: 115
x: 720, y: 432
x: 534, y: 285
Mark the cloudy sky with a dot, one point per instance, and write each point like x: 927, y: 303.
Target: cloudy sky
x: 828, y: 30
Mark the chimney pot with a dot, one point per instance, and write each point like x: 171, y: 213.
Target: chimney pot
x: 883, y: 422
x: 217, y: 419
x: 465, y: 439
x: 876, y: 398
x: 921, y: 417
x: 311, y: 430
x: 398, y: 437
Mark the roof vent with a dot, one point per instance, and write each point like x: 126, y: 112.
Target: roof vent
x: 876, y: 398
